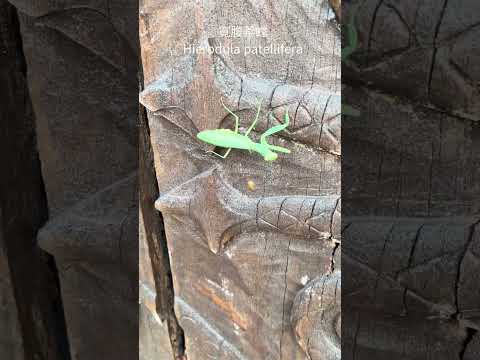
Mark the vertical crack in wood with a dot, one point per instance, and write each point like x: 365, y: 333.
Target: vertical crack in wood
x: 471, y: 237
x: 372, y: 27
x: 435, y: 49
x: 156, y: 238
x: 284, y: 295
x: 332, y: 238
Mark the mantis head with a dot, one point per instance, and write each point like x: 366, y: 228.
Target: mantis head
x: 270, y: 156
x: 265, y: 151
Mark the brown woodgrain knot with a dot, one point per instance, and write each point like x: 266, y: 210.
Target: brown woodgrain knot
x: 222, y: 212
x: 316, y: 317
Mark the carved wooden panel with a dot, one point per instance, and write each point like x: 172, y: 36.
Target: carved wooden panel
x: 425, y: 50
x: 82, y: 63
x: 31, y: 315
x: 411, y: 182
x: 245, y: 236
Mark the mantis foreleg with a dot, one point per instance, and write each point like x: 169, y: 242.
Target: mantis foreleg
x: 277, y: 128
x: 273, y: 130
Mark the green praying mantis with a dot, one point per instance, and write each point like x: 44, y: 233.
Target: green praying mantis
x: 232, y: 139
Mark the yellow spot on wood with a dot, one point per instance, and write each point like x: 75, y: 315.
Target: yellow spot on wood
x: 251, y: 185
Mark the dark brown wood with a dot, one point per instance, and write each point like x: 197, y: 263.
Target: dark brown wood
x: 410, y: 182
x: 82, y: 63
x: 32, y: 324
x: 11, y: 341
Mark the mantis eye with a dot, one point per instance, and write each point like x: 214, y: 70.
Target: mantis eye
x: 271, y: 156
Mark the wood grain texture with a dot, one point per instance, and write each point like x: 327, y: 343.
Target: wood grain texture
x: 423, y: 50
x: 241, y: 252
x: 411, y: 183
x: 82, y: 62
x: 32, y: 325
